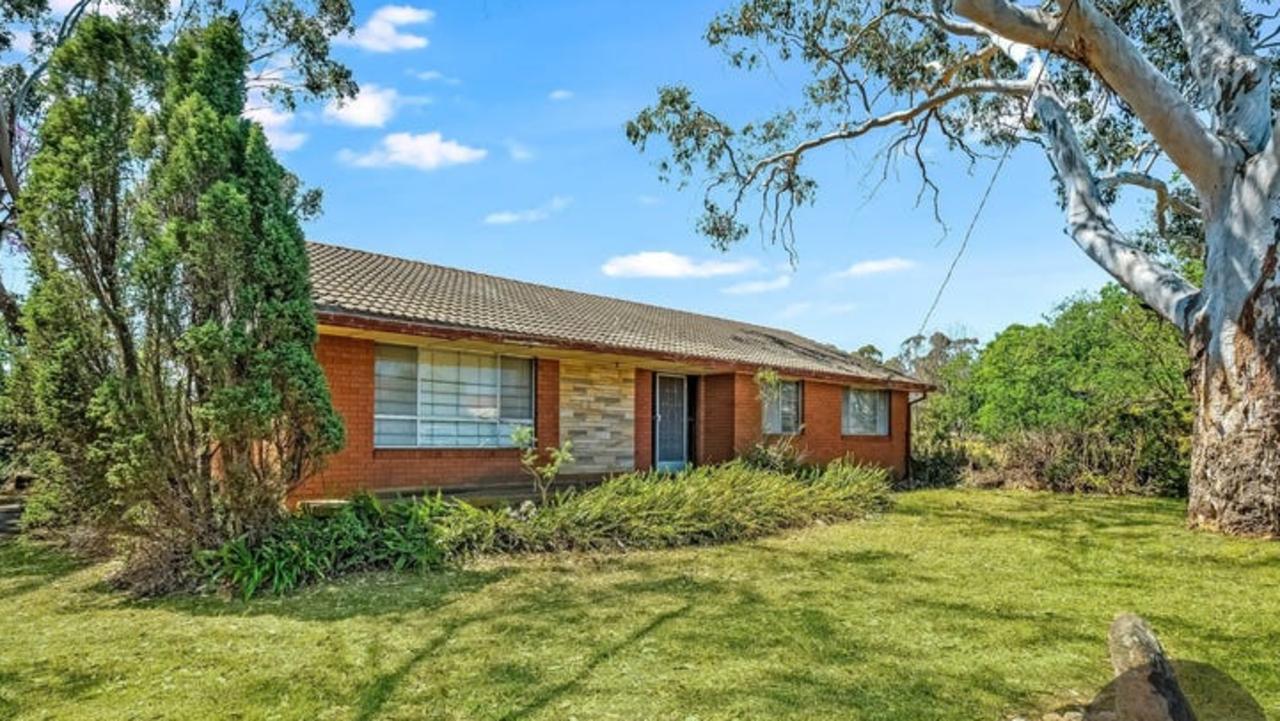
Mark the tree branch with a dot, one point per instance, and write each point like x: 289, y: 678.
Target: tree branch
x: 1233, y: 81
x: 1090, y: 225
x: 1165, y: 201
x: 1090, y: 38
x: 977, y: 87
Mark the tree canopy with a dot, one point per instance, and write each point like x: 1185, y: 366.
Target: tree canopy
x: 170, y: 324
x: 287, y: 45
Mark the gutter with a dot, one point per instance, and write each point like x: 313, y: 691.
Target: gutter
x: 335, y: 316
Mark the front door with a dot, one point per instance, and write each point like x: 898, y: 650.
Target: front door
x: 670, y: 413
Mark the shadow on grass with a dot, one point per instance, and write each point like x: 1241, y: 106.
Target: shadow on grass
x: 359, y: 595
x: 27, y: 566
x: 601, y: 656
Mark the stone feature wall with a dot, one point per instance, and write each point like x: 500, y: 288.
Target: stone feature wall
x: 597, y: 413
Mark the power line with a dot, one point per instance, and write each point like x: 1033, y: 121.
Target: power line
x: 986, y: 195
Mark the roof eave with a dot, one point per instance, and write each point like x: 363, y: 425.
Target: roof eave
x: 343, y: 317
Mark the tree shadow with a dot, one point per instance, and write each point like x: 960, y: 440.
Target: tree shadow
x: 26, y: 566
x: 360, y: 595
x: 601, y: 656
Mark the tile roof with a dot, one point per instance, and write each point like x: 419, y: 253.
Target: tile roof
x: 356, y: 282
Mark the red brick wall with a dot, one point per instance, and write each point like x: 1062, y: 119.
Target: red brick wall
x: 733, y: 423
x: 822, y: 440
x: 546, y: 402
x: 644, y: 419
x: 348, y: 366
x: 728, y: 422
x: 714, y: 424
x: 748, y: 426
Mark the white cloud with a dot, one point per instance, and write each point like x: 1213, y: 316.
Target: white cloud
x: 277, y: 125
x: 381, y: 33
x: 372, y: 107
x: 758, y: 286
x: 663, y: 264
x: 648, y: 199
x: 873, y: 267
x: 424, y: 151
x: 532, y: 215
x: 560, y: 94
x: 436, y: 75
x: 518, y: 151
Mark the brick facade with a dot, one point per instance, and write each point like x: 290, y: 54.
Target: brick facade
x: 644, y: 419
x: 606, y: 408
x: 348, y: 367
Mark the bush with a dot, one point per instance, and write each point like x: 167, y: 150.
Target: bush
x: 1087, y: 461
x: 365, y: 534
x: 709, y: 504
x: 941, y: 465
x: 781, y: 455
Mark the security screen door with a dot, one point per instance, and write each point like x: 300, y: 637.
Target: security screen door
x: 670, y: 412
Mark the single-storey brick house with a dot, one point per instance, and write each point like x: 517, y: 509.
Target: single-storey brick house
x: 431, y: 368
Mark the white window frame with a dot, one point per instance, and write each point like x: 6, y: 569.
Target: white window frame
x: 844, y: 412
x: 764, y: 410
x: 420, y: 419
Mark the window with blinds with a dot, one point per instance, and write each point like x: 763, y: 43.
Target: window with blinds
x: 866, y: 413
x: 426, y: 398
x: 781, y: 409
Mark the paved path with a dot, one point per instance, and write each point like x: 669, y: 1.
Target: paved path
x: 10, y: 510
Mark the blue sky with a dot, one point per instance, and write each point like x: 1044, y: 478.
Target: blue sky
x: 489, y: 136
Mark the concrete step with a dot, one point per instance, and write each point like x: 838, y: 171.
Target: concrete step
x: 10, y: 512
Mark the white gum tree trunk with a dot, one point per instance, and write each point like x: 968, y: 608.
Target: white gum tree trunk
x: 1232, y: 323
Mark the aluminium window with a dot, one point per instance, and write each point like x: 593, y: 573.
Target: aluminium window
x: 781, y: 408
x: 427, y: 398
x: 865, y: 413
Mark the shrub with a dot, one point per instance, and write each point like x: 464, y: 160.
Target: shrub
x: 780, y: 454
x: 364, y: 534
x: 709, y: 504
x: 940, y: 465
x: 542, y: 466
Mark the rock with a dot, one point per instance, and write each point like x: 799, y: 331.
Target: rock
x: 1146, y: 688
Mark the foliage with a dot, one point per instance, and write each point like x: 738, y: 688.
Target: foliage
x: 954, y: 606
x: 709, y: 504
x: 362, y: 535
x: 706, y: 504
x: 288, y: 53
x: 542, y: 466
x: 170, y: 333
x: 873, y: 69
x: 1093, y: 399
x: 781, y: 454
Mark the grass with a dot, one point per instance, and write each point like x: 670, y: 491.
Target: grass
x: 956, y: 605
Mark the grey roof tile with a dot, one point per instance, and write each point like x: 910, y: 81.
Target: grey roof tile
x: 345, y: 280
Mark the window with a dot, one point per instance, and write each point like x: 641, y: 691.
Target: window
x: 866, y: 413
x: 448, y: 399
x: 782, y: 408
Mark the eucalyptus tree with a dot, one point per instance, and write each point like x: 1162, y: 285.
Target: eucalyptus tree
x: 288, y: 45
x: 1172, y: 98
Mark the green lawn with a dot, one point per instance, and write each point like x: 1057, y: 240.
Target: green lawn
x: 957, y: 605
